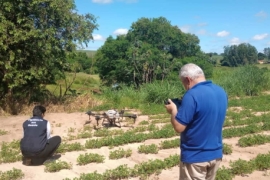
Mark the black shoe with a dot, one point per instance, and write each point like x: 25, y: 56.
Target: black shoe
x: 27, y: 161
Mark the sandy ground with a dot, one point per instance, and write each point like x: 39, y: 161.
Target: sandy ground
x: 61, y: 122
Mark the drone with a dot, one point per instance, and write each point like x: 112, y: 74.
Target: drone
x: 113, y: 117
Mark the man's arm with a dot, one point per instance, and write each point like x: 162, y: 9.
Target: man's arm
x: 176, y: 125
x: 172, y: 109
x: 48, y: 130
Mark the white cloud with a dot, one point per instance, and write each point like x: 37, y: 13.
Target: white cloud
x: 261, y: 14
x: 102, y: 1
x: 202, y: 24
x: 260, y: 36
x: 185, y: 29
x: 223, y: 33
x: 120, y: 31
x: 98, y: 37
x: 235, y: 41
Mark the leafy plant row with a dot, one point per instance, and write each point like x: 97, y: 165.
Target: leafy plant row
x: 106, y: 132
x: 56, y: 166
x: 130, y: 137
x: 255, y: 139
x: 86, y: 133
x: 241, y: 131
x: 242, y: 167
x: 244, y: 118
x: 10, y: 152
x: 142, y: 170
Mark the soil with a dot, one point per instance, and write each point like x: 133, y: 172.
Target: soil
x: 61, y: 122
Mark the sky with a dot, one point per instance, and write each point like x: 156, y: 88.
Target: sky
x: 217, y: 23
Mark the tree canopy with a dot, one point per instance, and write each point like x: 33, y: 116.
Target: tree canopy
x: 153, y: 49
x: 267, y: 52
x: 239, y: 55
x: 35, y: 38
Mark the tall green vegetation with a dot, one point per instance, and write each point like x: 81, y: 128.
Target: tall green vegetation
x: 247, y: 80
x: 37, y: 36
x: 153, y: 49
x: 148, y: 97
x: 239, y: 55
x: 241, y: 81
x: 81, y: 62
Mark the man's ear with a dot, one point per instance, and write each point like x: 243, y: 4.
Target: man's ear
x: 188, y: 80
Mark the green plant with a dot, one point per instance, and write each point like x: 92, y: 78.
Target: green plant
x: 167, y: 144
x: 120, y: 153
x: 252, y: 140
x: 84, y: 134
x: 121, y: 172
x: 262, y: 161
x: 142, y: 170
x: 71, y: 130
x: 58, y: 125
x: 90, y: 176
x: 3, y: 132
x: 224, y: 174
x: 227, y: 148
x: 90, y: 158
x: 10, y: 152
x: 144, y: 122
x: 57, y: 166
x: 65, y: 147
x: 242, y: 167
x: 148, y: 149
x: 13, y: 174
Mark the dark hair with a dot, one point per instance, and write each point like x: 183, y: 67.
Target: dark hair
x: 39, y: 110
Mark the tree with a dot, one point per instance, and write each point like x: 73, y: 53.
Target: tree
x: 261, y: 56
x: 111, y: 61
x: 162, y: 35
x: 267, y: 52
x: 152, y: 50
x: 35, y: 38
x: 86, y: 63
x: 238, y: 55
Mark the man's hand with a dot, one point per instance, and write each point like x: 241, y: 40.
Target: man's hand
x: 170, y: 107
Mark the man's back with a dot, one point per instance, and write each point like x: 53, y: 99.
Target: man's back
x: 35, y: 135
x: 203, y: 112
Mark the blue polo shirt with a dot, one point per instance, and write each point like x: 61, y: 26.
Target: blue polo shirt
x: 203, y: 112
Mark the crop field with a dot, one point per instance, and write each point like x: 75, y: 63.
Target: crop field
x: 146, y: 149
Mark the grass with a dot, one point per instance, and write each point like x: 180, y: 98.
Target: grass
x: 83, y: 83
x: 263, y: 66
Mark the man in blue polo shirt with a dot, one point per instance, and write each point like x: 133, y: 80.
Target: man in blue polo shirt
x: 200, y: 120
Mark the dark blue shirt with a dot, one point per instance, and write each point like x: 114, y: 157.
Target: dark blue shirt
x: 35, y: 135
x: 203, y: 112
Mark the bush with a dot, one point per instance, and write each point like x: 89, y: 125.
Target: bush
x: 246, y: 80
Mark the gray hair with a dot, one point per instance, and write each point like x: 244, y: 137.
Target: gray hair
x: 191, y: 70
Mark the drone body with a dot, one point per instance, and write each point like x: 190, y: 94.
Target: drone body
x: 111, y: 116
